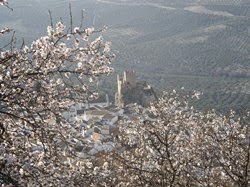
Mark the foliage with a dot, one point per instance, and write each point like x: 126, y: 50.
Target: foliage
x: 178, y: 146
x: 36, y: 85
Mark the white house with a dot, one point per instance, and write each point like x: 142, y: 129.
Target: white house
x: 105, y: 130
x: 110, y: 119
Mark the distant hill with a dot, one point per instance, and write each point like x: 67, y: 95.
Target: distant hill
x: 198, y: 44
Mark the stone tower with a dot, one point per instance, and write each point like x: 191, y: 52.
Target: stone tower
x: 129, y: 90
x: 129, y: 78
x: 128, y: 81
x: 118, y: 96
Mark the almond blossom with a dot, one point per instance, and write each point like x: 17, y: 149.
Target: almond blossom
x: 174, y: 145
x: 37, y: 83
x: 3, y: 2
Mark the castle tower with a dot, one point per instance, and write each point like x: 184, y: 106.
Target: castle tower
x: 129, y: 90
x: 118, y: 96
x: 107, y: 100
x: 129, y: 78
x: 119, y: 85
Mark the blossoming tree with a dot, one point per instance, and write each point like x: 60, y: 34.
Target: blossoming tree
x: 37, y: 83
x: 171, y: 144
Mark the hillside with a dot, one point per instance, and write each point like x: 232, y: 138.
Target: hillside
x: 202, y: 46
x: 198, y: 44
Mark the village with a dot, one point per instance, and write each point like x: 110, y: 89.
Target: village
x: 99, y: 121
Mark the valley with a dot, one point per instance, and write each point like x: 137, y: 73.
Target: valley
x: 196, y: 44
